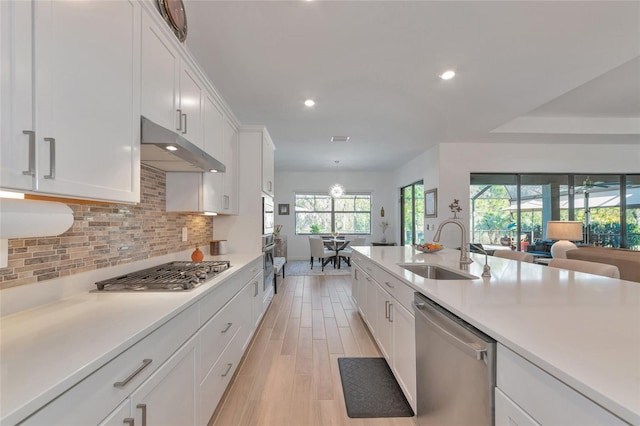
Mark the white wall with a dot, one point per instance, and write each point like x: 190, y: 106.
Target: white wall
x: 380, y: 185
x: 448, y: 167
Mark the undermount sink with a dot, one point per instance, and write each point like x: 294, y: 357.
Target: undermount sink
x: 434, y: 272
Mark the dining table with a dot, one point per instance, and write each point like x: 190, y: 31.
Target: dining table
x: 336, y: 244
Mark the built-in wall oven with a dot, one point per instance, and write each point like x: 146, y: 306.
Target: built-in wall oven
x: 268, y: 248
x: 268, y: 215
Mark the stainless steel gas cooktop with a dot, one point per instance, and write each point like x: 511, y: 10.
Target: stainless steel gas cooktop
x: 172, y: 276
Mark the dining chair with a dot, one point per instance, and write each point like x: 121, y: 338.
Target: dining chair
x: 346, y: 252
x: 317, y: 248
x: 595, y: 268
x: 514, y: 255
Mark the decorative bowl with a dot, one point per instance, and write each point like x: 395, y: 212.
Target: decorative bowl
x: 426, y: 250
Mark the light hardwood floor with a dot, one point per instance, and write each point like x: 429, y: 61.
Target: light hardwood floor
x: 290, y: 376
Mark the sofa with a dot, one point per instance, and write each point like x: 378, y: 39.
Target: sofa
x: 627, y: 261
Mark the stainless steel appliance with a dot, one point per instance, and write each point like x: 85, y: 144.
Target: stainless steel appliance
x: 268, y: 248
x: 172, y: 276
x: 455, y: 369
x: 268, y: 215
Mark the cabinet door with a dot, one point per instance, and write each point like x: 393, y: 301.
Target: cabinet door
x: 230, y: 193
x: 509, y: 414
x: 17, y: 148
x: 160, y: 77
x: 267, y: 165
x: 87, y: 89
x: 191, y: 91
x: 404, y: 350
x: 371, y: 304
x: 169, y: 396
x: 384, y: 323
x: 120, y: 416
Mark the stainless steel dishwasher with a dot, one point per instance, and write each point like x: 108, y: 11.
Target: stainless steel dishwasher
x: 455, y: 369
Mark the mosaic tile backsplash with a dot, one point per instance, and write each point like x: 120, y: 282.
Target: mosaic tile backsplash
x: 106, y: 235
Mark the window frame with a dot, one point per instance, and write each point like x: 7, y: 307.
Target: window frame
x: 332, y: 211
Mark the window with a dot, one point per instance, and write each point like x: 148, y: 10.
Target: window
x: 412, y: 214
x: 321, y: 214
x: 511, y: 210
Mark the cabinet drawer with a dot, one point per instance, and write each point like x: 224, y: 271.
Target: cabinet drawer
x: 92, y: 399
x: 545, y: 398
x: 214, y: 301
x: 214, y: 385
x: 399, y: 290
x: 218, y: 332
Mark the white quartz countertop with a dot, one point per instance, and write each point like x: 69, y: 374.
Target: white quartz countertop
x: 580, y: 328
x: 47, y: 349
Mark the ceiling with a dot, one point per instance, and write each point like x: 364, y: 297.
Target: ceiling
x: 527, y: 71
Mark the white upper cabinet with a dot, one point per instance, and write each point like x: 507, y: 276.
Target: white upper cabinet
x: 80, y: 135
x: 230, y: 188
x: 191, y: 110
x: 268, y: 174
x: 172, y: 92
x: 160, y: 77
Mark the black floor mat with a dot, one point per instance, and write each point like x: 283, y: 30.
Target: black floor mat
x: 371, y: 390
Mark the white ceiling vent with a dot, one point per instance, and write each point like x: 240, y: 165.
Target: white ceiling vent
x: 339, y: 138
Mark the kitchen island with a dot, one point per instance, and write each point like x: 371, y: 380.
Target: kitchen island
x: 581, y: 329
x: 47, y: 351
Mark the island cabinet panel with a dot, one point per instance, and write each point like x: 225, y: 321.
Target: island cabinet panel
x: 384, y: 303
x: 119, y: 415
x: 509, y: 414
x: 544, y: 398
x: 72, y: 121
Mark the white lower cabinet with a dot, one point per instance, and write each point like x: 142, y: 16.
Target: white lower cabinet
x: 169, y: 396
x: 177, y: 374
x: 382, y: 300
x: 528, y: 395
x: 509, y: 414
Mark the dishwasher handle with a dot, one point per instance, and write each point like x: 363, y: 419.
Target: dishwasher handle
x: 473, y: 349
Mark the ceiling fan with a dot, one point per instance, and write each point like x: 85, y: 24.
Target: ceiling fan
x: 588, y: 185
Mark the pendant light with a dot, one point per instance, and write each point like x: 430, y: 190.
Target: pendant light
x: 336, y: 190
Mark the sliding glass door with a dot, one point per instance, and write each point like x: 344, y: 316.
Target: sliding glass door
x: 412, y: 214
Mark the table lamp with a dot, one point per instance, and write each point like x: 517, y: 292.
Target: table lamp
x: 564, y: 232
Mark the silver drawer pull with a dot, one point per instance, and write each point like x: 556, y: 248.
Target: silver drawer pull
x: 229, y: 324
x: 52, y: 158
x: 129, y: 421
x: 145, y: 363
x: 32, y: 153
x: 228, y: 369
x: 143, y: 407
x: 389, y: 285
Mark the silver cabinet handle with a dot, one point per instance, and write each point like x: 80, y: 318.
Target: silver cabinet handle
x: 229, y: 324
x: 386, y: 309
x: 228, y: 369
x: 179, y: 128
x: 226, y: 202
x: 143, y: 407
x: 390, y: 309
x: 32, y: 153
x: 255, y: 294
x: 389, y: 285
x: 368, y: 279
x: 145, y: 363
x: 129, y: 421
x: 52, y: 158
x: 184, y: 131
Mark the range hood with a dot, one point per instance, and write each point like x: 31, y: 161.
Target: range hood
x: 167, y: 150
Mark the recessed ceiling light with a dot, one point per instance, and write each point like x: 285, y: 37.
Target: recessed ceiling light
x: 309, y: 102
x: 447, y: 75
x: 340, y: 138
x: 171, y: 148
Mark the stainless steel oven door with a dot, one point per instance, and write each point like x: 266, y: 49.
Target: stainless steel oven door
x: 268, y: 249
x: 268, y: 215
